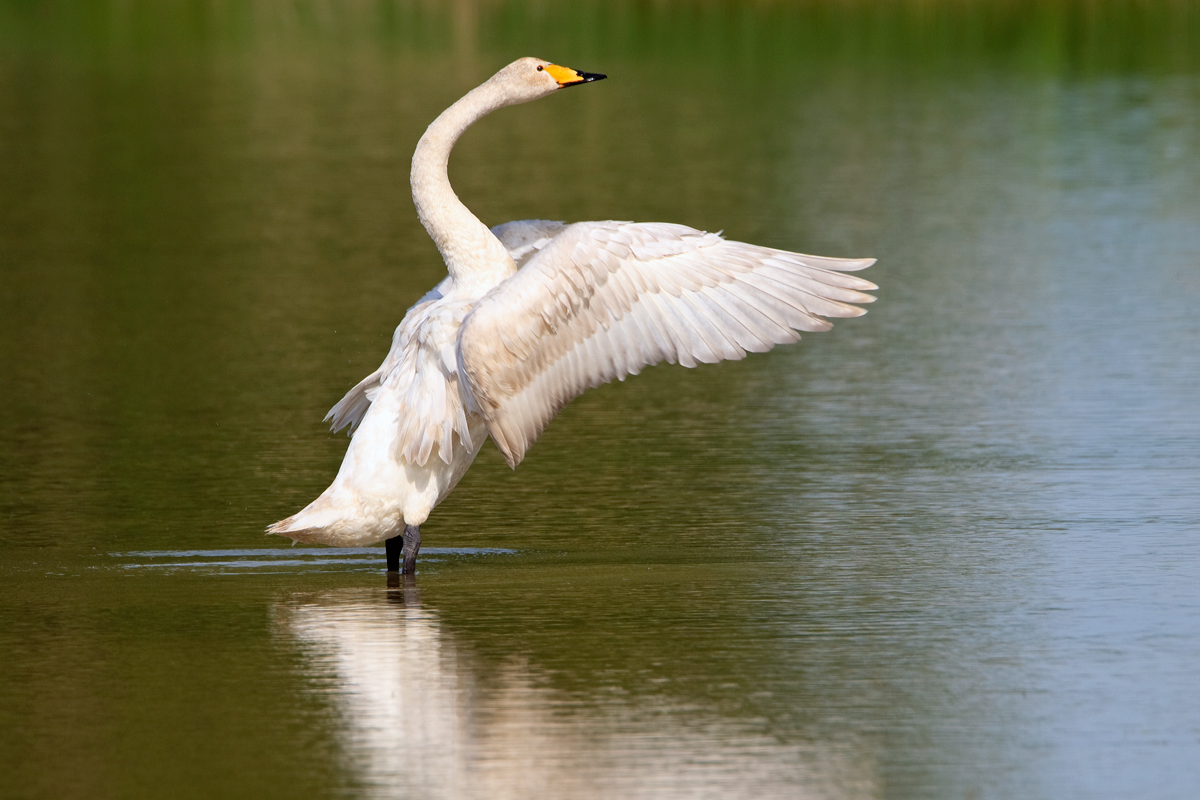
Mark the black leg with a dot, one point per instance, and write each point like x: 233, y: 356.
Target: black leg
x: 393, y: 546
x: 412, y: 543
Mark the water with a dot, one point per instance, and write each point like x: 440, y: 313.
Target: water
x: 946, y: 550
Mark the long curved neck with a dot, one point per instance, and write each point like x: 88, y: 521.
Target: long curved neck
x: 471, y: 252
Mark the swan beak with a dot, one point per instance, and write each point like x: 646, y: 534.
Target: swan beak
x: 572, y: 77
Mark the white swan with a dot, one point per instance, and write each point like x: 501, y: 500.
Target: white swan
x: 532, y: 314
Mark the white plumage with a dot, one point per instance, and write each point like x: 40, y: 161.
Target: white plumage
x: 601, y: 300
x: 532, y: 314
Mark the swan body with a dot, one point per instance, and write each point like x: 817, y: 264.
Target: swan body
x: 532, y: 314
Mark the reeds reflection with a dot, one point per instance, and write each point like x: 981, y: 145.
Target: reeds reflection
x: 418, y: 717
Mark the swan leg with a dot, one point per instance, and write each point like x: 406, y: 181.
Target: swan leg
x: 404, y: 546
x: 393, y: 546
x: 412, y: 543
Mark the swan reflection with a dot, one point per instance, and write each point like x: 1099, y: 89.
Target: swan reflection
x: 418, y: 720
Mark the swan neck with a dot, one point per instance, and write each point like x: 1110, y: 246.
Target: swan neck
x: 471, y: 252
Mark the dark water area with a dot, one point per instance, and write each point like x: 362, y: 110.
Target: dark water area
x: 948, y: 550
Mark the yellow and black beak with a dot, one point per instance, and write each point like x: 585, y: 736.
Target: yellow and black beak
x: 572, y: 77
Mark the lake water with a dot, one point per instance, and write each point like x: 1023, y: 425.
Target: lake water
x: 948, y: 550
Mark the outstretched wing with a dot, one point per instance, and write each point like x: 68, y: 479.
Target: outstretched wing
x: 601, y: 300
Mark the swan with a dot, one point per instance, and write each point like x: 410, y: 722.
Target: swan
x: 532, y: 314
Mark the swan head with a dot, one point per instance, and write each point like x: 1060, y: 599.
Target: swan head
x: 531, y: 78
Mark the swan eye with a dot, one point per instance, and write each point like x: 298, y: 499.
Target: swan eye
x: 539, y: 67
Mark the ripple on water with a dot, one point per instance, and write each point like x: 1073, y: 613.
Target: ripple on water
x: 283, y: 559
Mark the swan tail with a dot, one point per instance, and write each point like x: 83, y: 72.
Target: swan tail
x: 295, y: 528
x: 326, y: 521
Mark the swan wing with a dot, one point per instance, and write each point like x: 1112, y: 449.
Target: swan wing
x: 350, y: 410
x: 524, y: 238
x: 601, y: 300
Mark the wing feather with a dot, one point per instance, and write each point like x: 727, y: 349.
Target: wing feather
x: 597, y: 301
